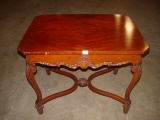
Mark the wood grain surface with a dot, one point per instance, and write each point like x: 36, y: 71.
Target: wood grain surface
x: 71, y: 34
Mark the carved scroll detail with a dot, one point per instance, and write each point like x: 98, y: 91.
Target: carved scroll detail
x: 135, y: 67
x: 33, y: 68
x: 83, y: 62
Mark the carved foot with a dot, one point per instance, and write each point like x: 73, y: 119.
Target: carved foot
x: 115, y: 71
x: 82, y: 82
x: 48, y: 71
x: 126, y: 107
x: 39, y: 108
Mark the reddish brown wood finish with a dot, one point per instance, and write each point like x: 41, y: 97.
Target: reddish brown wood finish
x: 70, y: 34
x: 60, y: 40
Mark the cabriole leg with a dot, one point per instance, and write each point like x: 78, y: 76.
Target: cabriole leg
x: 136, y: 69
x: 30, y: 70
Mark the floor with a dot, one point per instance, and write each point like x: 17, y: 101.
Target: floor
x: 16, y: 95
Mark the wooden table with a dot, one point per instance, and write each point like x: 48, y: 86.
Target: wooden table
x: 83, y: 41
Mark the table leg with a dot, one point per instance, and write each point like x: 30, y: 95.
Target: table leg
x: 48, y: 71
x: 30, y: 70
x: 82, y: 82
x: 115, y: 71
x: 136, y: 69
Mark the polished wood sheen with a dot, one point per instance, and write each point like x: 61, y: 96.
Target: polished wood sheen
x: 83, y: 41
x: 70, y: 34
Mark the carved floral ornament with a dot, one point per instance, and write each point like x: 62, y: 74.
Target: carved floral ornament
x: 83, y: 62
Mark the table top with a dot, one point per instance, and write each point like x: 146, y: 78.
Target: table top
x: 82, y: 33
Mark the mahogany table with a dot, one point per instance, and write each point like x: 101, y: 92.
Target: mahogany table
x: 83, y: 41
